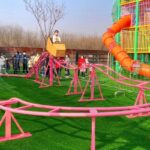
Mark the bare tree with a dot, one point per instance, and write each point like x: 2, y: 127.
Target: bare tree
x: 47, y: 14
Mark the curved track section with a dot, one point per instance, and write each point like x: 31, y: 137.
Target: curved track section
x: 113, y: 75
x: 59, y: 111
x: 24, y: 108
x: 12, y: 75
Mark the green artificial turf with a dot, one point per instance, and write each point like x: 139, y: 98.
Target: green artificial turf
x: 112, y: 133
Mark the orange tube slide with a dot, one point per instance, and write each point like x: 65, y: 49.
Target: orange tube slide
x: 119, y: 53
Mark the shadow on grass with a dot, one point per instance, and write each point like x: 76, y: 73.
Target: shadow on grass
x: 121, y: 135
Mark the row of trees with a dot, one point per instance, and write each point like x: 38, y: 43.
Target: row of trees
x: 82, y: 42
x: 16, y: 36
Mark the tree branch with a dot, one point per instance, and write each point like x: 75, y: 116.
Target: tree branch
x: 47, y: 14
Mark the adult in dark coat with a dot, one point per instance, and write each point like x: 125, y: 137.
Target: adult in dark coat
x: 15, y: 64
x: 25, y: 63
x: 18, y: 61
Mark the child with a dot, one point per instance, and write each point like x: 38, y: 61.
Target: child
x: 1, y: 63
x: 58, y: 67
x: 82, y: 66
x: 56, y: 38
x: 67, y: 63
x: 7, y: 66
x: 31, y: 62
x: 87, y: 64
x: 83, y: 70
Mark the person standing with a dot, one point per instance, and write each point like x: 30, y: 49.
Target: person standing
x: 67, y: 63
x: 87, y: 64
x: 25, y: 63
x: 7, y: 66
x: 57, y: 66
x: 56, y: 38
x: 1, y: 63
x: 81, y: 66
x: 17, y: 62
x: 31, y: 62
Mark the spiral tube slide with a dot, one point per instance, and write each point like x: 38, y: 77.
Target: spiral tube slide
x: 119, y: 53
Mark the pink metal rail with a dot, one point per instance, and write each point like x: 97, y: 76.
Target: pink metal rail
x: 12, y: 75
x: 75, y: 85
x: 93, y: 80
x: 35, y: 69
x: 108, y: 72
x: 142, y: 86
x: 59, y: 111
x: 50, y: 67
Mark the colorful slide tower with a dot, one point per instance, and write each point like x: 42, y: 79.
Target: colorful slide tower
x: 136, y: 38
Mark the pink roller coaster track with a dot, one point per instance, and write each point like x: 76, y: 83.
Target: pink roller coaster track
x: 75, y: 83
x: 12, y: 75
x: 141, y: 108
x: 93, y: 81
x: 108, y: 72
x: 59, y: 111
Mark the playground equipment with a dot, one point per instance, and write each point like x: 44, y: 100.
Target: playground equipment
x: 75, y: 84
x: 93, y: 81
x: 52, y: 50
x: 141, y: 108
x: 58, y: 50
x: 119, y: 53
x: 138, y: 33
x: 58, y: 111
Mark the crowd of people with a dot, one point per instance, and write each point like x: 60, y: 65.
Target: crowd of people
x: 66, y: 63
x: 22, y: 63
x: 18, y: 63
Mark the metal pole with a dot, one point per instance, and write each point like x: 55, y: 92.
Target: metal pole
x: 8, y: 125
x: 148, y: 58
x: 118, y: 35
x: 143, y: 58
x: 136, y: 36
x: 51, y: 70
x: 92, y: 83
x: 93, y: 138
x: 76, y: 81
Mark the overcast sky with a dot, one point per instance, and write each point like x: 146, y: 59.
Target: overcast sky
x: 82, y: 16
